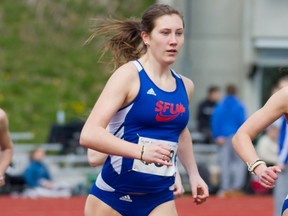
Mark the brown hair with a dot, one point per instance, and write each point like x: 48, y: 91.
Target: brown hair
x: 123, y: 38
x: 231, y: 89
x: 33, y: 152
x: 213, y: 88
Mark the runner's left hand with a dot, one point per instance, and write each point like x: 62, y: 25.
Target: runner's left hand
x: 199, y: 189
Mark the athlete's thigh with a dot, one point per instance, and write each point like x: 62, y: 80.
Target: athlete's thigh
x: 95, y: 206
x: 167, y: 209
x: 285, y: 213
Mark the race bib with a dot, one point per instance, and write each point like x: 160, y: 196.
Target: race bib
x: 155, y: 168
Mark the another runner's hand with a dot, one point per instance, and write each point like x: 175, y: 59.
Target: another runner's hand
x: 157, y: 153
x: 267, y: 175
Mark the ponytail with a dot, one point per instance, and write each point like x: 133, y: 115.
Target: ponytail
x: 122, y: 38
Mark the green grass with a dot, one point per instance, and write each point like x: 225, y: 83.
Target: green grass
x: 44, y: 66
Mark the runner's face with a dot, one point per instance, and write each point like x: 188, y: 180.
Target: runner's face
x: 167, y: 38
x: 39, y: 154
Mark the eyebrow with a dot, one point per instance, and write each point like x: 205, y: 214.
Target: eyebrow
x: 171, y: 29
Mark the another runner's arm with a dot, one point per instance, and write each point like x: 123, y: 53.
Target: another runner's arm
x: 257, y: 122
x: 6, y: 145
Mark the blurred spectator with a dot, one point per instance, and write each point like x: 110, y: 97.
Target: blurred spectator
x: 227, y: 117
x: 38, y: 179
x: 204, y: 112
x: 6, y: 146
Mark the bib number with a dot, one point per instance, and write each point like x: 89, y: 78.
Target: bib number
x: 156, y: 168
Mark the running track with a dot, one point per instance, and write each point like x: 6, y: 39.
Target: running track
x: 241, y: 206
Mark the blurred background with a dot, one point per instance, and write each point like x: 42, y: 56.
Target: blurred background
x: 50, y: 80
x: 45, y: 68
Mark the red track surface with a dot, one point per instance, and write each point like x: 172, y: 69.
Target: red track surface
x: 242, y: 206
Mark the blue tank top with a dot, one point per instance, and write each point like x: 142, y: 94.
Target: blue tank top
x: 154, y: 113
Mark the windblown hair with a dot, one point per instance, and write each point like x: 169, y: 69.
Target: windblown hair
x: 123, y: 37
